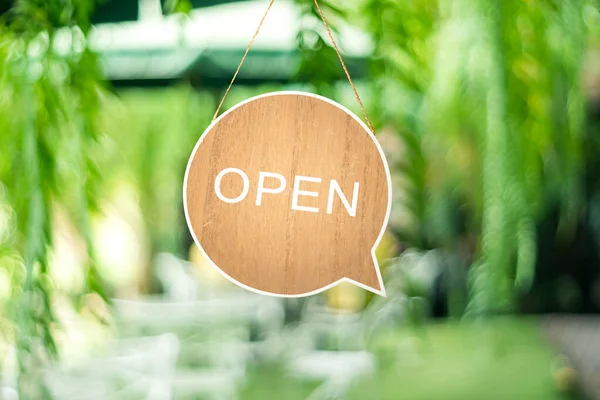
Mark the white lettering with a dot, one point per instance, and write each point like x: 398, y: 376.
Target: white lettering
x: 262, y: 189
x: 297, y: 193
x: 245, y: 190
x: 335, y: 188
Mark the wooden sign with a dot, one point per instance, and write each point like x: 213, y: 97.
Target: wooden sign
x: 288, y: 194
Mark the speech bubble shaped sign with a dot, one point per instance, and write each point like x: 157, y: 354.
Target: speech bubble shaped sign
x: 288, y: 194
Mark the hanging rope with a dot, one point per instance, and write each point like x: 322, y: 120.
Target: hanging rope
x: 335, y: 46
x: 237, y: 71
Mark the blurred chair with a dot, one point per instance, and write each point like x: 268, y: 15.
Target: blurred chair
x: 141, y: 368
x: 220, y: 332
x: 328, y: 345
x: 214, y: 338
x: 190, y: 306
x: 176, y: 277
x: 8, y: 393
x: 235, y: 310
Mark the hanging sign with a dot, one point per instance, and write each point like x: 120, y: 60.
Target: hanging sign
x: 288, y: 194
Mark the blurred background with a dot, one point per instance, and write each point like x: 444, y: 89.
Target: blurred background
x: 488, y: 112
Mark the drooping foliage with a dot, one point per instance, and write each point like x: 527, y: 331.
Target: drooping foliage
x: 488, y: 101
x: 49, y: 101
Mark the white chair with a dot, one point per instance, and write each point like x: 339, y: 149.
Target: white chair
x: 217, y: 317
x: 141, y: 368
x: 176, y: 277
x: 327, y: 345
x: 8, y: 393
x: 214, y: 337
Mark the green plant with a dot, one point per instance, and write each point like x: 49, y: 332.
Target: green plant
x: 486, y: 97
x: 162, y: 128
x: 49, y: 99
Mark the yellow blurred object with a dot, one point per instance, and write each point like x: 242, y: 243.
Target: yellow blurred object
x: 119, y: 235
x: 346, y: 297
x: 207, y: 272
x: 387, y: 248
x: 565, y: 378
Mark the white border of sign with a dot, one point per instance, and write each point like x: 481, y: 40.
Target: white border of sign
x: 380, y: 292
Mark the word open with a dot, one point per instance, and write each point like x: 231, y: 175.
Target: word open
x: 280, y: 186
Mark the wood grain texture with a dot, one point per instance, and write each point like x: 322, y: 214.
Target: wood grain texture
x: 271, y: 247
